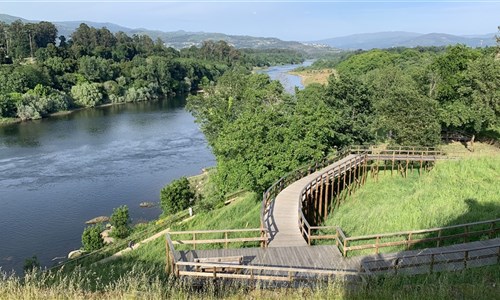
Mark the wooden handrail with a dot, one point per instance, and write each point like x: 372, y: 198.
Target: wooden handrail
x: 268, y: 268
x: 217, y: 231
x: 397, y: 259
x: 436, y: 229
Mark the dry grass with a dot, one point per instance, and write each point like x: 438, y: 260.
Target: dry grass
x: 308, y: 77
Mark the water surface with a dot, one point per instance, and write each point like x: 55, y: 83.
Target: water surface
x: 59, y: 172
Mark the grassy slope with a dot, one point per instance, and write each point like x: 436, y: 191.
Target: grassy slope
x: 242, y: 213
x: 454, y: 192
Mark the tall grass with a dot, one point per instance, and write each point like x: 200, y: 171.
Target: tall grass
x: 139, y: 283
x: 453, y: 192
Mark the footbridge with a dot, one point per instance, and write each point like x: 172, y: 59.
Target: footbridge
x: 292, y: 212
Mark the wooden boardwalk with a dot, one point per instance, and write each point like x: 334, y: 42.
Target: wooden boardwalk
x: 280, y: 261
x: 288, y: 256
x: 282, y: 218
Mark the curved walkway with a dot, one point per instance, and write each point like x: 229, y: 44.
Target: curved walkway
x: 282, y: 218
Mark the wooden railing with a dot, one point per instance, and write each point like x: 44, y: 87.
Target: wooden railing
x: 270, y: 194
x: 224, y: 237
x: 408, y: 238
x: 265, y: 273
x: 186, y: 268
x: 317, y: 184
x: 432, y: 259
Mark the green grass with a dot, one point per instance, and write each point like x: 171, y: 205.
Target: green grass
x: 242, y: 213
x: 453, y: 192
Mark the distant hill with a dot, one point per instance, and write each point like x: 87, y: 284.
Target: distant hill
x: 391, y: 39
x: 182, y: 39
x: 9, y: 19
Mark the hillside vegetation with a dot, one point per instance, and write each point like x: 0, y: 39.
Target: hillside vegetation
x: 453, y: 192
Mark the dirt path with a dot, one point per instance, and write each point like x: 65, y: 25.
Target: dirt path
x: 137, y: 245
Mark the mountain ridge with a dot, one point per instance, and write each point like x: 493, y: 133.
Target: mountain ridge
x: 390, y: 39
x: 182, y: 39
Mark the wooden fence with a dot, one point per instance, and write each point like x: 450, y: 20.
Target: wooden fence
x: 455, y: 258
x: 456, y: 233
x: 224, y: 237
x: 316, y: 196
x: 270, y: 194
x: 241, y: 271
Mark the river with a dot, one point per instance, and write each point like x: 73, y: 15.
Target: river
x: 59, y: 172
x: 288, y: 81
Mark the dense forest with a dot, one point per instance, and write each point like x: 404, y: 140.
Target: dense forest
x: 400, y: 96
x: 41, y: 73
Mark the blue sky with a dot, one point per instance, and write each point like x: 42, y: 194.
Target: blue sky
x: 289, y: 20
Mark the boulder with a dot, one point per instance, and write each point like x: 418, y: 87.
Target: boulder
x: 75, y: 254
x: 146, y: 204
x: 96, y: 220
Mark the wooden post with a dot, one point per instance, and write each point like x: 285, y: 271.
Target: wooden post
x: 392, y: 165
x: 492, y: 230
x: 343, y: 187
x: 466, y: 258
x: 320, y: 198
x: 225, y: 236
x: 365, y: 167
x: 439, y: 238
x: 167, y: 252
x: 466, y: 231
x: 406, y: 169
x: 432, y: 263
x: 194, y: 239
x: 420, y: 170
x: 309, y: 235
x: 408, y: 241
x: 344, y: 250
x: 338, y: 183
x: 376, y: 244
x: 325, y: 214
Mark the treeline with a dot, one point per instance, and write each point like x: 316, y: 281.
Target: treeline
x: 41, y: 73
x: 272, y: 57
x: 404, y: 96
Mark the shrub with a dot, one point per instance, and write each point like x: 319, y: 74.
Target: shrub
x: 30, y: 264
x: 120, y: 220
x: 176, y: 196
x: 92, y: 239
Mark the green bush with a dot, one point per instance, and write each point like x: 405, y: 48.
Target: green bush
x: 120, y: 220
x: 31, y: 263
x: 92, y: 239
x: 176, y: 196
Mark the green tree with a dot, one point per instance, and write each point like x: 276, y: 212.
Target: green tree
x: 120, y: 220
x: 92, y: 239
x: 95, y: 69
x: 87, y: 94
x: 402, y: 112
x: 176, y: 196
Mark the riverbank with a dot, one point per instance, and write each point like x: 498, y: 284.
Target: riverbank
x: 308, y: 77
x: 10, y: 121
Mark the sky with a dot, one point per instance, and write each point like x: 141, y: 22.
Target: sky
x: 287, y: 20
